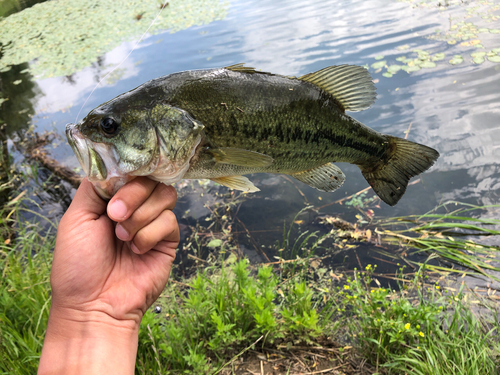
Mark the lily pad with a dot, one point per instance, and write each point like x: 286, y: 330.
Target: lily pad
x: 379, y: 64
x: 478, y: 54
x: 428, y: 64
x: 401, y: 58
x: 379, y: 57
x: 478, y: 60
x: 438, y: 57
x: 496, y: 50
x: 403, y: 47
x: 387, y: 74
x: 410, y: 69
x: 494, y: 31
x: 495, y: 59
x: 393, y: 69
x: 452, y: 41
x: 457, y: 59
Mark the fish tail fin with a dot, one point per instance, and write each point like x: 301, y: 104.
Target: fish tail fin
x: 405, y: 159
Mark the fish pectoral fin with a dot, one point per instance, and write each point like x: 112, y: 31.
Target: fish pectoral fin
x: 327, y: 177
x: 351, y: 85
x: 240, y: 157
x: 237, y: 182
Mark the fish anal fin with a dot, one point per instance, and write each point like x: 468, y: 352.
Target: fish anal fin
x: 237, y: 182
x: 327, y: 177
x: 405, y: 160
x: 240, y: 157
x: 350, y: 85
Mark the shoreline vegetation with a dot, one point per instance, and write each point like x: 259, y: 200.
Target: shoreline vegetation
x: 301, y: 312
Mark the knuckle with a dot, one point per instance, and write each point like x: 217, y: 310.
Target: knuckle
x: 167, y: 193
x: 141, y: 241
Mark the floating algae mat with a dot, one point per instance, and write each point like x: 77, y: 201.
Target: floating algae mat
x: 65, y: 36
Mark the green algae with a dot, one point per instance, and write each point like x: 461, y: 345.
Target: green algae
x: 62, y: 37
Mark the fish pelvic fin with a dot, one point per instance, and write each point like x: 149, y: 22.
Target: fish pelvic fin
x: 327, y: 177
x: 237, y: 183
x: 406, y: 159
x: 351, y: 85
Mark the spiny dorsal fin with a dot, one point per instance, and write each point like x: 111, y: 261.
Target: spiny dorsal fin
x: 351, y: 85
x: 241, y: 68
x: 327, y: 177
x: 245, y: 69
x: 237, y: 156
x: 237, y: 183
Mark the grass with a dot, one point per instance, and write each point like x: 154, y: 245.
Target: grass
x: 452, y: 236
x: 420, y: 329
x: 224, y: 310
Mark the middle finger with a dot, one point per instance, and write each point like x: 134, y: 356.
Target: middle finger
x: 162, y: 198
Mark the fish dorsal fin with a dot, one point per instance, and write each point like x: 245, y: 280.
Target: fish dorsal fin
x: 327, y: 177
x: 237, y: 183
x: 241, y: 68
x: 240, y: 157
x: 351, y: 85
x: 245, y: 69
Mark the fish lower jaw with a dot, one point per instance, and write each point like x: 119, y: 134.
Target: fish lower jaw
x: 107, y: 188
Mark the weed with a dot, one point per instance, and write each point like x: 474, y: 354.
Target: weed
x: 417, y: 328
x: 227, y: 310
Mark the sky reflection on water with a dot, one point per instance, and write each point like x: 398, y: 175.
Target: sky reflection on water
x: 453, y: 108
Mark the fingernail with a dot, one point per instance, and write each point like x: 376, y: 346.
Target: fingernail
x: 117, y: 209
x: 135, y: 249
x: 121, y: 233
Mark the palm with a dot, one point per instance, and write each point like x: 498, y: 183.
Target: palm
x: 97, y: 271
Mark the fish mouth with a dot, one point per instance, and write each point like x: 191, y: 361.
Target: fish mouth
x: 85, y: 151
x: 79, y: 145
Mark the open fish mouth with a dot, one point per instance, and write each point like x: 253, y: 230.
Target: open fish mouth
x: 79, y: 145
x: 90, y: 160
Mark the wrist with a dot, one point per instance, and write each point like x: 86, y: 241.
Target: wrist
x: 88, y: 342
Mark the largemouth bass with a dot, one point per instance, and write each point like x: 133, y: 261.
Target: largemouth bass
x: 227, y: 122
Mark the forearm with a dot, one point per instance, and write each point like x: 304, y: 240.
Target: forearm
x: 88, y: 343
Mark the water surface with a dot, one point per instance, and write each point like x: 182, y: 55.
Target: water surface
x: 453, y: 108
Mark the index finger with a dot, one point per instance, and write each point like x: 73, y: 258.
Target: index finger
x: 130, y: 197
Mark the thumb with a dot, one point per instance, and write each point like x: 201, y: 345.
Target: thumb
x: 87, y: 201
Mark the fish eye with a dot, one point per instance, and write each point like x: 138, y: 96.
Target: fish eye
x: 109, y: 125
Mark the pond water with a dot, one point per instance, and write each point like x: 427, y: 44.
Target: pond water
x: 418, y: 52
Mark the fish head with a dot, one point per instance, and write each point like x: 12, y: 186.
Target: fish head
x: 119, y: 141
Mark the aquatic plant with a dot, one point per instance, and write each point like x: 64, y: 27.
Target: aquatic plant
x: 62, y: 37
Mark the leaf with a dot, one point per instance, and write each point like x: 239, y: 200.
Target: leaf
x: 215, y: 243
x: 494, y: 59
x: 379, y: 64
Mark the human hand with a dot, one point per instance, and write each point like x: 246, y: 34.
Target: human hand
x: 105, y: 275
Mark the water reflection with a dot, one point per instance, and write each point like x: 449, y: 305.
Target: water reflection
x: 453, y: 108
x: 20, y: 93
